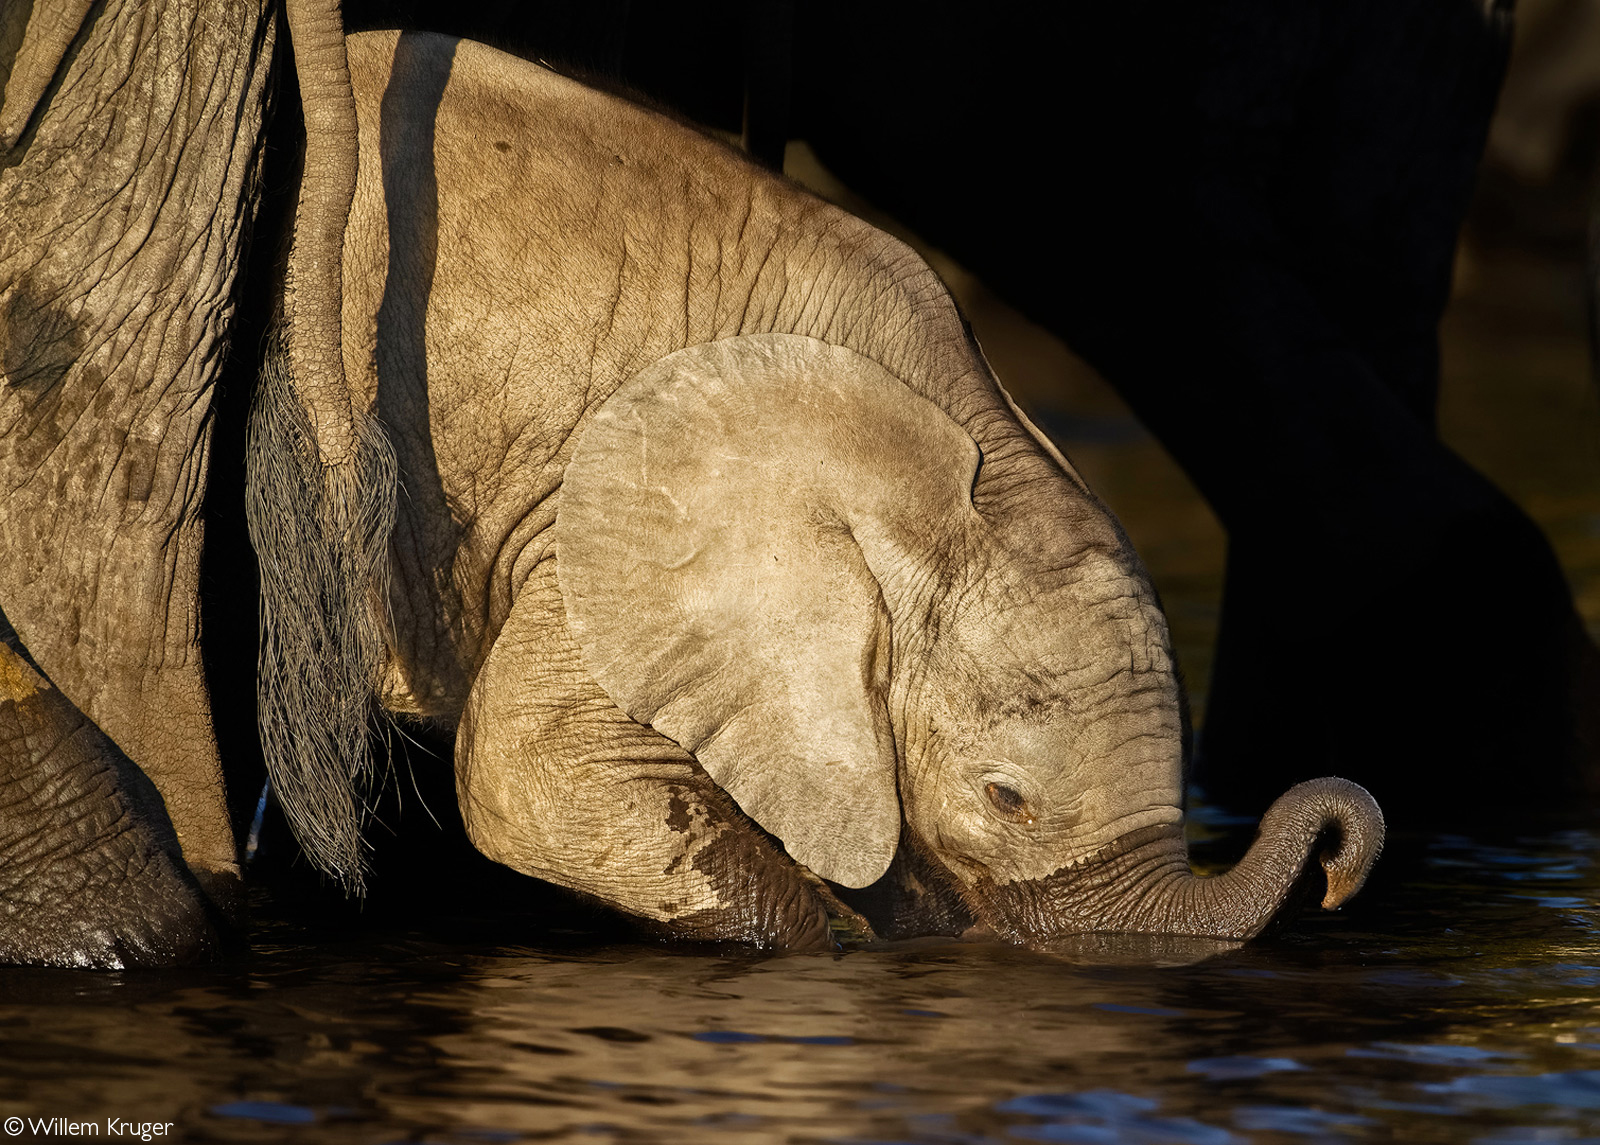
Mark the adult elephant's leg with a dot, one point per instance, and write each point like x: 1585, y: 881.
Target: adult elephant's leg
x: 1373, y: 179
x: 90, y: 871
x: 556, y: 782
x: 127, y: 200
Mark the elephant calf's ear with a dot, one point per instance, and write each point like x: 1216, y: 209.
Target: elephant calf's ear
x: 707, y: 549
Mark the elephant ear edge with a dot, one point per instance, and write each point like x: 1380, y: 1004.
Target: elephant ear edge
x: 709, y: 547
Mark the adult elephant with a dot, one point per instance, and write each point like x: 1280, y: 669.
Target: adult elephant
x: 720, y: 546
x: 131, y: 137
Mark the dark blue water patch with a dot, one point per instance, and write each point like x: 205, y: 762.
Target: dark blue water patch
x: 1236, y: 1068
x: 1557, y: 902
x: 737, y: 1037
x: 1569, y: 840
x: 1571, y: 1089
x: 1096, y: 1102
x: 1556, y: 874
x: 272, y: 1112
x: 925, y: 1013
x: 1104, y: 1115
x: 1415, y: 979
x: 1430, y: 1054
x: 1302, y: 1120
x: 1149, y: 1011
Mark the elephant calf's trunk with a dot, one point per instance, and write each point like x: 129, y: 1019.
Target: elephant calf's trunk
x: 1239, y: 904
x: 1143, y: 883
x: 1319, y: 804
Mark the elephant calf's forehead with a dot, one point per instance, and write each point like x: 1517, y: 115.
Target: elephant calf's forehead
x: 1043, y: 634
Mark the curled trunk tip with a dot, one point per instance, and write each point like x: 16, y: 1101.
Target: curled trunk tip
x: 1314, y: 807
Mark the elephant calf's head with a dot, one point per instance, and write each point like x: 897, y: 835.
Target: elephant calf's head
x: 869, y: 626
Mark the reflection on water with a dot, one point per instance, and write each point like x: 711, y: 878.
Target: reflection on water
x: 1455, y: 1001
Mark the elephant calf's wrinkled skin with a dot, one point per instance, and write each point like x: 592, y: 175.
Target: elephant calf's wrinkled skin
x: 711, y: 512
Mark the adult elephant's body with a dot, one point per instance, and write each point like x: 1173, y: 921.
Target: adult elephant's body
x: 1258, y: 226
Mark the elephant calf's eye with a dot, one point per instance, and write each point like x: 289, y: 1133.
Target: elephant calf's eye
x: 1009, y: 802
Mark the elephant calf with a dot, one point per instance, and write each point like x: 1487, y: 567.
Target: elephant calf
x: 730, y: 560
x: 713, y: 536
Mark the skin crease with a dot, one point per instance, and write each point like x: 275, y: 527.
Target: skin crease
x: 520, y: 247
x: 127, y: 899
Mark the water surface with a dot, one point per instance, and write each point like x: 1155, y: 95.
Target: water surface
x: 1454, y: 1001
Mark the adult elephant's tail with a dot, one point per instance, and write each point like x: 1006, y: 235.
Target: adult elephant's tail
x: 321, y: 496
x: 321, y: 535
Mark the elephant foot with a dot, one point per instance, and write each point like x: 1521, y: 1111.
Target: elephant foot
x: 90, y: 870
x: 768, y: 901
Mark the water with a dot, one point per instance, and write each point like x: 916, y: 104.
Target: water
x: 1455, y: 1001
